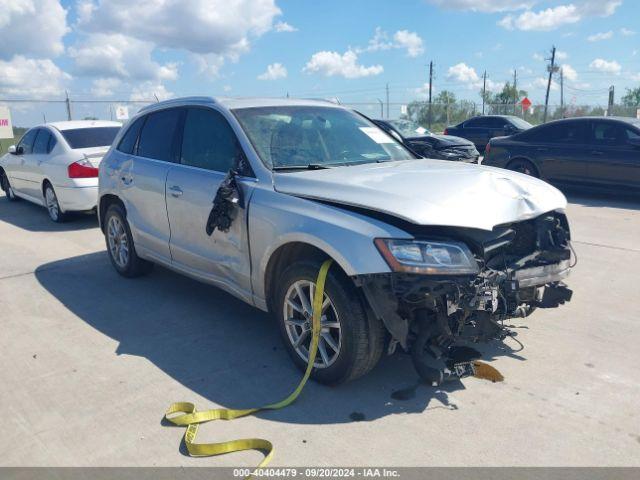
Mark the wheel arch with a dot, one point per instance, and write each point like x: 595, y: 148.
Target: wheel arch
x: 285, y: 255
x: 104, y: 203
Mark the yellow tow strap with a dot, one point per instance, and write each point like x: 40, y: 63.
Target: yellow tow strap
x: 191, y: 418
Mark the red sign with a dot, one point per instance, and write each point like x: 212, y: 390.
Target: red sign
x: 526, y: 103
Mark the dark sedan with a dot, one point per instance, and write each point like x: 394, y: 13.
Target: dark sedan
x: 480, y: 130
x: 429, y: 145
x: 596, y: 151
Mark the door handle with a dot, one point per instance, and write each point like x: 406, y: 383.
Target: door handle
x: 176, y: 191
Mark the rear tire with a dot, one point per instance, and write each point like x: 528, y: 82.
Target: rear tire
x: 53, y: 206
x: 6, y: 186
x: 120, y: 246
x: 359, y: 339
x: 521, y: 165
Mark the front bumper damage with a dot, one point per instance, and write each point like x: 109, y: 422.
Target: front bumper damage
x: 436, y: 318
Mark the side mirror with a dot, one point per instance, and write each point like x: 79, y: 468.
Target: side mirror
x: 13, y: 150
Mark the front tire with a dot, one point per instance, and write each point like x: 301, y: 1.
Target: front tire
x: 120, y: 246
x: 53, y: 206
x: 350, y: 343
x: 6, y: 186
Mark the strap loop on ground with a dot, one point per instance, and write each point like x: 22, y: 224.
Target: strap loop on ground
x: 185, y: 413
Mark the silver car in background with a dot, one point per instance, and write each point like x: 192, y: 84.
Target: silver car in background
x: 252, y: 195
x: 56, y: 165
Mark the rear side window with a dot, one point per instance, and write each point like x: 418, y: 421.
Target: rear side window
x: 26, y: 142
x: 41, y: 145
x: 611, y: 134
x: 208, y: 141
x: 128, y: 142
x: 476, y: 122
x: 158, y: 134
x: 567, y: 133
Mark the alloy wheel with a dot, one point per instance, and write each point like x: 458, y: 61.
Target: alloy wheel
x: 298, y: 314
x: 118, y: 242
x: 52, y: 204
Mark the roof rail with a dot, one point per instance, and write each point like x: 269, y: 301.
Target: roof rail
x: 179, y: 100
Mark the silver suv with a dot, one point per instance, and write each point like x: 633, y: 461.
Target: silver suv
x: 252, y: 195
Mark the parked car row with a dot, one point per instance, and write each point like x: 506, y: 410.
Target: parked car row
x: 429, y: 255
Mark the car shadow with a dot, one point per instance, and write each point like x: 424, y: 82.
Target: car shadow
x: 34, y: 218
x: 223, y: 349
x: 602, y: 198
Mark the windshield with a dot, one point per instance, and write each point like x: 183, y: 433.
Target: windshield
x: 521, y: 124
x: 90, y: 137
x: 409, y: 128
x: 298, y: 137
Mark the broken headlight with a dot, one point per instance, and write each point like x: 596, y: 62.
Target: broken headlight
x: 430, y: 258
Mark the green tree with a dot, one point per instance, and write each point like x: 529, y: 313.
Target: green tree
x: 502, y: 102
x: 632, y: 98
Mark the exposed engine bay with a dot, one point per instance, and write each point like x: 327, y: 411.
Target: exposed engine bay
x: 436, y: 318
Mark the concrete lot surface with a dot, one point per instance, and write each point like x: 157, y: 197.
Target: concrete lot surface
x: 90, y: 362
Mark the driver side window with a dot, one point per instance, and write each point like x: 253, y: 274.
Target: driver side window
x: 26, y: 142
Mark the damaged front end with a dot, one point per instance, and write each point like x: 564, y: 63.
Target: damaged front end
x: 452, y: 287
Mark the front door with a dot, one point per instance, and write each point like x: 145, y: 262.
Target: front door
x: 209, y: 149
x: 17, y: 171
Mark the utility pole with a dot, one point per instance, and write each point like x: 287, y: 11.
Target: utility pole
x: 484, y: 89
x: 68, y: 102
x: 612, y: 99
x: 515, y: 90
x: 551, y: 68
x: 387, y: 100
x: 562, y: 92
x: 381, y: 108
x: 430, y: 89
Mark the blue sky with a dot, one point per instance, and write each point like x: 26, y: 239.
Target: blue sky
x: 350, y: 49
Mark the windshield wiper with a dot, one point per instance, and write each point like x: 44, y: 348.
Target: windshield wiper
x: 311, y: 166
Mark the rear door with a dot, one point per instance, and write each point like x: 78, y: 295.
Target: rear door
x: 562, y: 150
x: 614, y: 159
x: 33, y: 164
x: 209, y: 148
x: 142, y: 176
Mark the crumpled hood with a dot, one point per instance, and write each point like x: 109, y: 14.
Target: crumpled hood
x: 429, y: 192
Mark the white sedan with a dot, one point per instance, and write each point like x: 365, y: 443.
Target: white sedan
x: 56, y: 165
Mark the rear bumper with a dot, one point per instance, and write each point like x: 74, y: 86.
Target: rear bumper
x: 77, y: 198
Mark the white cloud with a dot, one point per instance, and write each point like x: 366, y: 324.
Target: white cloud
x: 484, y: 5
x: 212, y: 30
x: 36, y: 78
x: 32, y: 27
x: 284, y: 27
x: 104, y: 87
x: 345, y: 65
x: 541, y: 84
x: 597, y: 37
x: 402, y: 39
x: 150, y: 91
x: 606, y: 66
x: 554, y: 17
x: 569, y: 72
x: 560, y: 55
x: 274, y: 71
x: 538, y: 57
x: 119, y: 56
x: 462, y: 73
x: 411, y: 41
x: 626, y: 32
